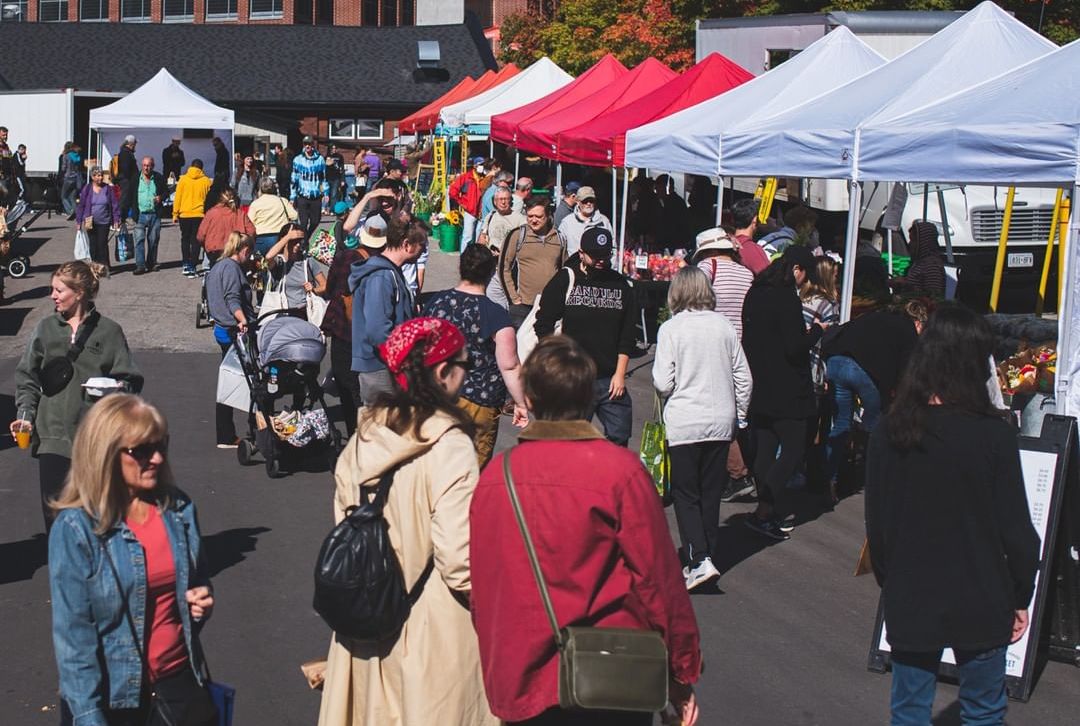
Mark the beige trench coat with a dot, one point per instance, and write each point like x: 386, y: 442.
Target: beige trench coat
x: 430, y: 673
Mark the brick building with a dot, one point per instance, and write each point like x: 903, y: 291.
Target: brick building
x: 372, y: 13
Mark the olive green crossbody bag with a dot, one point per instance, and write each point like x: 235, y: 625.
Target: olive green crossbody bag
x: 611, y: 669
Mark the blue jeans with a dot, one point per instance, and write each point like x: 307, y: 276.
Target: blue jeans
x: 263, y: 242
x: 468, y: 230
x: 68, y: 193
x: 616, y: 414
x: 982, y: 687
x: 147, y: 234
x: 848, y: 380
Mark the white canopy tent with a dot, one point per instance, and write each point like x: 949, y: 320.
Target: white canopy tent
x: 1022, y: 127
x: 691, y: 141
x: 817, y: 139
x: 820, y: 137
x: 535, y: 82
x: 154, y: 113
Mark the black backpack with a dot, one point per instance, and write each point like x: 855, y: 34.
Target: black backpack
x: 359, y: 588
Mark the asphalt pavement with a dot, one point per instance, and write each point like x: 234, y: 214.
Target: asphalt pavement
x: 786, y: 632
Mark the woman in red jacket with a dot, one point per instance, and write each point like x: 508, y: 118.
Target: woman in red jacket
x: 602, y: 542
x: 223, y: 219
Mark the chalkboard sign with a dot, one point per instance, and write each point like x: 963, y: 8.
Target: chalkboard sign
x: 425, y: 174
x: 1045, y: 463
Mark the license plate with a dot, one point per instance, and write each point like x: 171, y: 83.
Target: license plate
x: 1021, y: 259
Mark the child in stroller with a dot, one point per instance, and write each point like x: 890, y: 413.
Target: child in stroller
x: 280, y: 356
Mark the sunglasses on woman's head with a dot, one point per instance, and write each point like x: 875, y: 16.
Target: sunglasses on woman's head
x: 143, y: 453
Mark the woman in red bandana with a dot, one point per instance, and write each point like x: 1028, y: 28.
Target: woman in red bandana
x: 429, y: 672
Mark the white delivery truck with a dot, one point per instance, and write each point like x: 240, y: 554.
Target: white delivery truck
x: 974, y: 213
x: 45, y: 120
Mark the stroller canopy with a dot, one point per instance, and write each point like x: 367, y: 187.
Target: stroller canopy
x: 290, y: 339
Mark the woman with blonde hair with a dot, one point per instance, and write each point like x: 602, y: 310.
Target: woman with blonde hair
x: 65, y: 351
x: 702, y: 373
x: 128, y: 586
x: 229, y: 297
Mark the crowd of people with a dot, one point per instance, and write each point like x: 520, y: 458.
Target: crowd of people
x: 758, y: 383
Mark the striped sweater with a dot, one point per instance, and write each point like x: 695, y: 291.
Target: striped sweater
x: 730, y: 281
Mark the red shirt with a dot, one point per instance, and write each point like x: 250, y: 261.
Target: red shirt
x: 605, y: 551
x: 467, y: 192
x: 751, y: 255
x: 166, y: 651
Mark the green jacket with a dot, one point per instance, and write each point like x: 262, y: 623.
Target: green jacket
x: 55, y: 417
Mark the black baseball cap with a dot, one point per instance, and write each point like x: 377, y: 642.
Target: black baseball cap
x: 596, y: 241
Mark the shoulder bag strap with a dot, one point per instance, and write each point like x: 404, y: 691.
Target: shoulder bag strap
x: 127, y: 610
x: 531, y: 550
x: 712, y: 278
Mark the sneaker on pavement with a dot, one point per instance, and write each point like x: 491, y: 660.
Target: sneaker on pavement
x: 737, y: 488
x: 768, y: 527
x: 787, y: 523
x: 703, y: 572
x: 230, y: 445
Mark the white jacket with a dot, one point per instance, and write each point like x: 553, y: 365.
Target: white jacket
x: 573, y: 226
x: 701, y: 370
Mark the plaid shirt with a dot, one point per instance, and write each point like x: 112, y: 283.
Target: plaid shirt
x: 309, y: 177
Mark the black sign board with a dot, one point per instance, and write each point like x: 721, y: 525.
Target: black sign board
x: 425, y: 174
x: 1049, y: 465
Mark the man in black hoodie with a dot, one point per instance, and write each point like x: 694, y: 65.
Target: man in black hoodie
x: 597, y: 309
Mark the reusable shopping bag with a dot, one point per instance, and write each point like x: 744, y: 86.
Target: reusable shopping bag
x: 654, y: 453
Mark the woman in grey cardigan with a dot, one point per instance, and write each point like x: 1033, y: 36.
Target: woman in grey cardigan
x: 701, y: 370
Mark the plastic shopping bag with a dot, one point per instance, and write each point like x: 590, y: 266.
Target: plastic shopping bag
x: 82, y: 245
x: 654, y: 455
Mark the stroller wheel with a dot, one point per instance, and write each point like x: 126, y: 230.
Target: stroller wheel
x: 273, y: 468
x: 18, y: 266
x: 244, y: 452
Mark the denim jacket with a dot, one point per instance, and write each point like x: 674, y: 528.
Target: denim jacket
x: 97, y: 659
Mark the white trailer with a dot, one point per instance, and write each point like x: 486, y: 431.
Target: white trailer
x: 45, y: 120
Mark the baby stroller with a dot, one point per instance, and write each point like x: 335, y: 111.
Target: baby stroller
x: 280, y: 357
x: 12, y: 262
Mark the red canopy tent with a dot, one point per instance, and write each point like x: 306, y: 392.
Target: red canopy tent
x: 428, y: 117
x: 408, y: 124
x: 541, y: 135
x: 602, y: 141
x: 508, y: 128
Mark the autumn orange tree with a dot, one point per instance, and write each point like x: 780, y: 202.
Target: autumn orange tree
x: 580, y: 32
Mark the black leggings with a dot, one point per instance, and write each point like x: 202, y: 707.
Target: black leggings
x: 186, y: 704
x: 773, y: 472
x: 99, y: 243
x: 347, y: 384
x: 698, y: 478
x: 223, y: 415
x: 52, y: 471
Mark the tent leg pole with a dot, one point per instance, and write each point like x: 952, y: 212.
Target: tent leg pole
x: 854, y: 204
x: 1040, y: 299
x: 491, y: 148
x: 719, y: 200
x: 557, y: 196
x: 1066, y: 249
x: 622, y: 223
x: 517, y: 159
x: 1003, y: 241
x: 614, y: 193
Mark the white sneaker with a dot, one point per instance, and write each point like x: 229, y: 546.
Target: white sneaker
x: 704, y: 572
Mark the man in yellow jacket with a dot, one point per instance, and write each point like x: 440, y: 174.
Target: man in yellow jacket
x: 188, y: 203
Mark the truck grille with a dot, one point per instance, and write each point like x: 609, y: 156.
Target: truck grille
x: 1027, y: 225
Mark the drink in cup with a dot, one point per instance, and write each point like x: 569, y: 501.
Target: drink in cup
x: 22, y: 430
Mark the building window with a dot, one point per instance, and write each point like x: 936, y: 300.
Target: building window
x: 369, y: 12
x: 178, y: 10
x: 407, y: 12
x: 342, y: 128
x: 220, y: 9
x: 262, y: 9
x: 356, y: 128
x: 51, y: 11
x: 389, y: 13
x: 13, y: 11
x: 93, y: 9
x: 134, y: 10
x: 369, y: 128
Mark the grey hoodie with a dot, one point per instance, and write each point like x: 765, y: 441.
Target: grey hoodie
x: 381, y: 301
